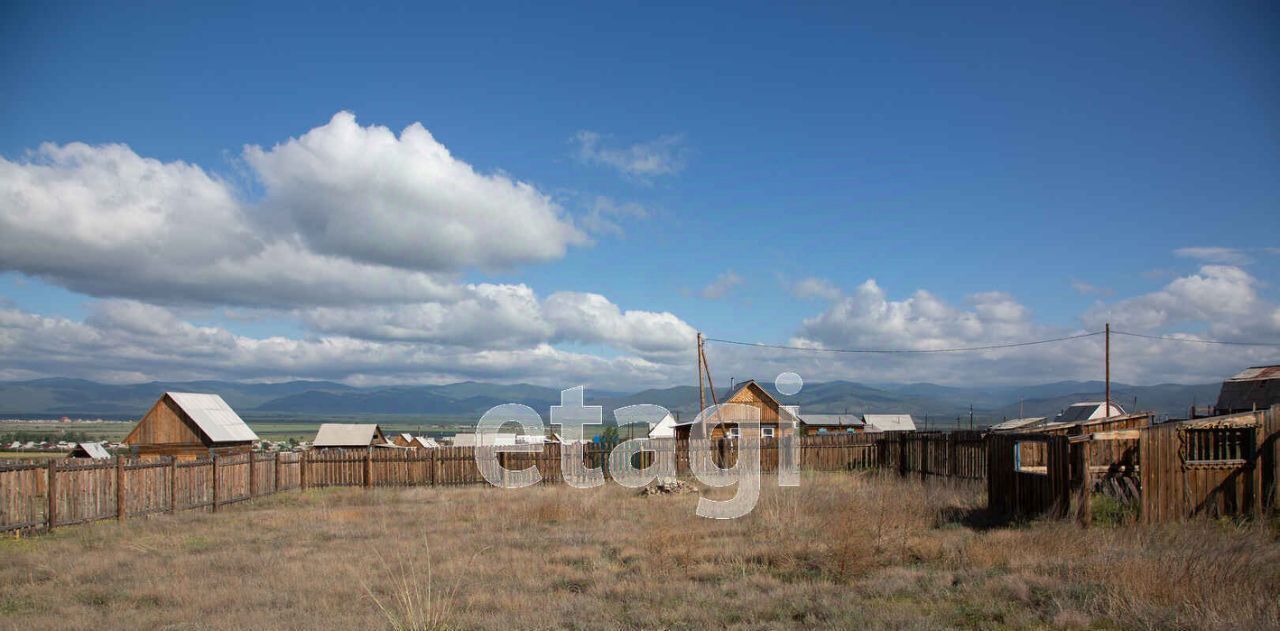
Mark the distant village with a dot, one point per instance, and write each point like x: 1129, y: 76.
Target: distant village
x: 195, y: 425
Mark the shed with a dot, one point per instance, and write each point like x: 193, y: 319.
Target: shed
x: 890, y: 422
x: 404, y: 439
x: 424, y: 442
x: 1256, y: 388
x: 189, y: 425
x: 348, y: 436
x: 89, y: 450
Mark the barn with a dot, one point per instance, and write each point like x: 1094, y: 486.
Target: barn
x: 348, y: 436
x: 1256, y: 388
x: 746, y: 393
x: 189, y: 425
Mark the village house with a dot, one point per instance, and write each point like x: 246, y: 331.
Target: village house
x: 747, y: 393
x: 348, y: 436
x: 188, y: 425
x: 1256, y: 388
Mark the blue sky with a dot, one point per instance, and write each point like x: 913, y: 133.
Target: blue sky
x: 1066, y: 156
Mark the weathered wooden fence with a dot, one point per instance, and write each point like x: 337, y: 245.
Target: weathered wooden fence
x: 70, y: 491
x: 1222, y: 466
x: 62, y: 492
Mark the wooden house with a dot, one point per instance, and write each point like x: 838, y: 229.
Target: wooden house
x: 746, y: 393
x: 404, y: 439
x: 348, y: 436
x: 189, y: 426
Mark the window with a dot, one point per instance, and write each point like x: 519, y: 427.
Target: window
x: 733, y: 432
x: 1217, y: 447
x: 766, y: 432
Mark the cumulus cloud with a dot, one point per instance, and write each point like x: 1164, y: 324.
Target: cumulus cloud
x: 661, y: 156
x: 365, y: 194
x: 1223, y: 298
x: 348, y: 214
x: 587, y: 317
x: 123, y: 341
x: 721, y: 286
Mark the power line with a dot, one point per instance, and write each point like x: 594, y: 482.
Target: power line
x: 904, y: 350
x: 1193, y: 340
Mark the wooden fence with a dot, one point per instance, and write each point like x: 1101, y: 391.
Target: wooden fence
x: 1222, y: 466
x: 55, y: 493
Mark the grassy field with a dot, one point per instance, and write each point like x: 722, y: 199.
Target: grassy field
x: 841, y: 551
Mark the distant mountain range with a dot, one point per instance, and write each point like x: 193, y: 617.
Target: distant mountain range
x: 311, y: 400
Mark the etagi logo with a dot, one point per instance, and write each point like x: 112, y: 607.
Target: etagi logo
x: 573, y: 418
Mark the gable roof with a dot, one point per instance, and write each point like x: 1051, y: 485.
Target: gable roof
x: 890, y: 422
x: 346, y: 435
x: 91, y: 450
x: 1086, y: 410
x: 213, y: 416
x: 425, y: 442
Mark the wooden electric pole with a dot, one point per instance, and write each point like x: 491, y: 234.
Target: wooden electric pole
x: 1108, y: 368
x: 702, y: 395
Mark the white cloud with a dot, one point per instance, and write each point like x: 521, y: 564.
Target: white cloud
x: 661, y: 156
x: 721, y: 286
x: 1223, y: 298
x: 364, y: 194
x: 592, y: 318
x: 130, y: 342
x: 351, y: 215
x: 819, y: 288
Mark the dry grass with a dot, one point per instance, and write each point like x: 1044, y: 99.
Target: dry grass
x: 840, y: 551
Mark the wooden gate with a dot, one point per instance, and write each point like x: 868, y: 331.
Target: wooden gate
x: 1028, y: 475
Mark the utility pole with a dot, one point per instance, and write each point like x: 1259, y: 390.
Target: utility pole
x: 1108, y: 360
x: 702, y: 396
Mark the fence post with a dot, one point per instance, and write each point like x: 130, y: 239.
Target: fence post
x: 951, y: 455
x: 435, y: 458
x: 120, y: 494
x: 173, y: 484
x: 1086, y: 486
x: 252, y: 476
x: 368, y: 468
x: 902, y: 455
x: 214, y: 457
x: 302, y: 471
x: 275, y: 475
x: 51, y: 490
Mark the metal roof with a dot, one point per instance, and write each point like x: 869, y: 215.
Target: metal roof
x: 345, y: 435
x: 92, y: 450
x: 1086, y: 410
x: 213, y: 416
x: 890, y: 422
x: 1257, y: 373
x: 832, y: 420
x: 425, y: 442
x: 1017, y: 423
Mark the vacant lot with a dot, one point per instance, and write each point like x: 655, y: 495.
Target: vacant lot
x: 840, y: 551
